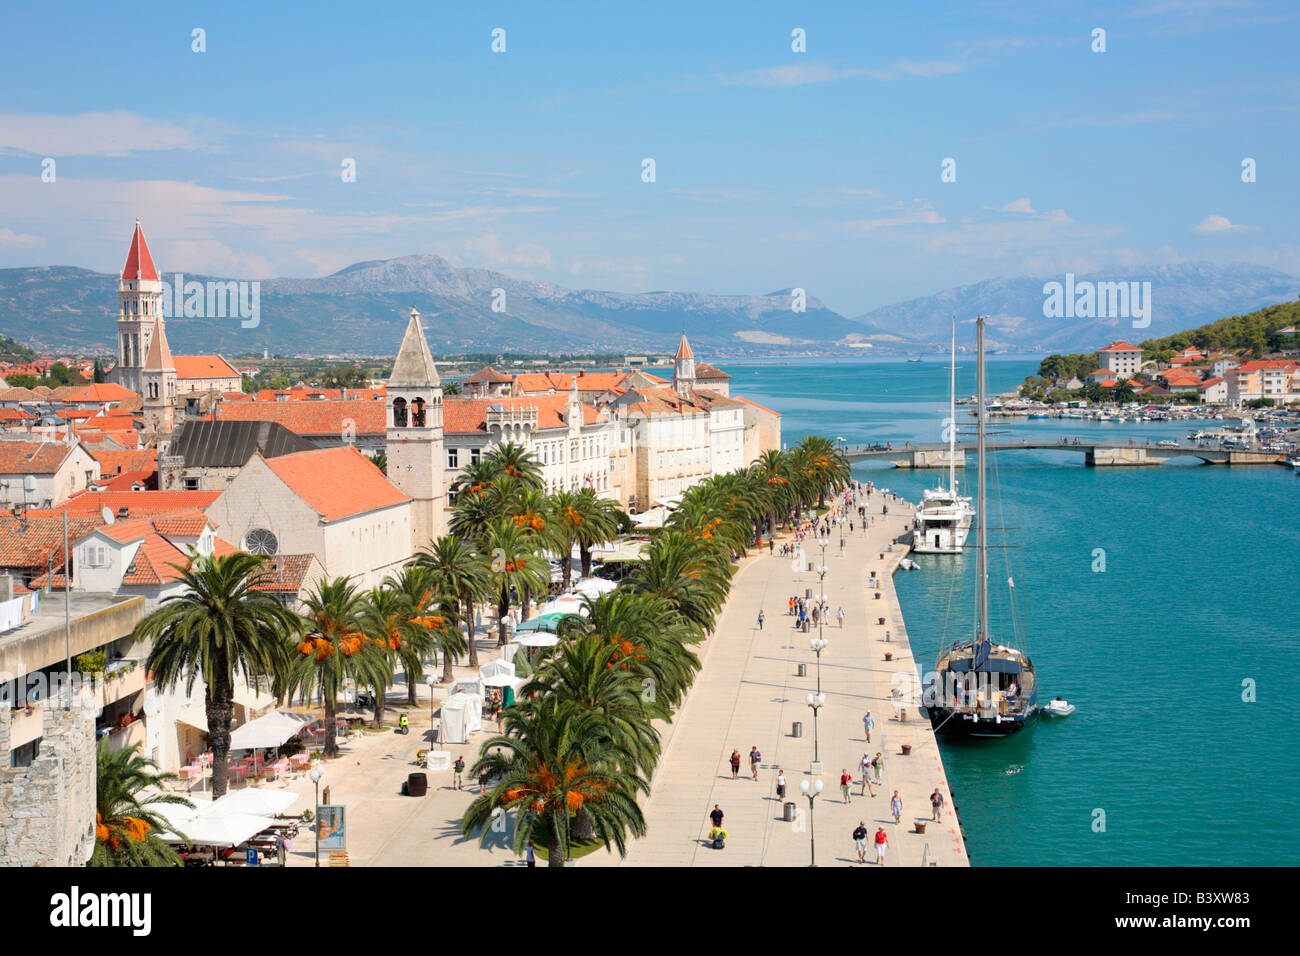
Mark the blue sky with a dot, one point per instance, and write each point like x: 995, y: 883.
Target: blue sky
x: 774, y: 169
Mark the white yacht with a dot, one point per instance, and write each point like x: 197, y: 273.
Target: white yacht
x: 944, y: 518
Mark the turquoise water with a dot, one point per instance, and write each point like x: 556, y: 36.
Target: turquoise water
x: 1197, y: 597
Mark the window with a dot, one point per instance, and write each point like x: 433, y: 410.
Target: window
x: 260, y: 541
x: 190, y: 484
x: 96, y: 556
x: 474, y: 454
x: 453, y: 457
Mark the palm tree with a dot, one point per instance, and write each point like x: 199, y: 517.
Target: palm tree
x: 436, y: 623
x: 600, y: 523
x: 386, y: 621
x: 515, y: 564
x: 685, y: 572
x: 219, y: 626
x: 333, y: 650
x: 556, y: 759
x: 773, y: 468
x: 457, y: 573
x: 565, y: 521
x: 517, y: 462
x: 127, y: 823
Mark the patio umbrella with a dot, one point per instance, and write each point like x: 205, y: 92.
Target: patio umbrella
x: 538, y: 640
x: 253, y: 800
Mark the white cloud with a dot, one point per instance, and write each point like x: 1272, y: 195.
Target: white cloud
x: 917, y: 212
x: 1213, y: 224
x: 116, y: 133
x: 1019, y: 205
x: 787, y: 75
x: 490, y: 251
x: 17, y: 238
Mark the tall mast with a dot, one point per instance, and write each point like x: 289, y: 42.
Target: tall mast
x: 981, y: 514
x: 952, y: 411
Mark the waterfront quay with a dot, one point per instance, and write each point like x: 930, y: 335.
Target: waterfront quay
x: 1095, y: 454
x: 749, y: 693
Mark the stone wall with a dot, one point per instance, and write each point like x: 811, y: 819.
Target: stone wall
x: 47, y: 809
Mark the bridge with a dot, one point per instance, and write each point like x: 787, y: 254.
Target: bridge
x: 1095, y: 454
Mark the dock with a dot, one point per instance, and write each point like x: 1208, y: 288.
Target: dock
x: 749, y: 693
x: 1095, y: 454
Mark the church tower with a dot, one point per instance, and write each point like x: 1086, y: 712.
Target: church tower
x: 416, y: 459
x: 139, y: 292
x: 684, y: 368
x: 158, y: 383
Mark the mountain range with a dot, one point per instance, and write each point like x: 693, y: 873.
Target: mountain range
x: 361, y: 310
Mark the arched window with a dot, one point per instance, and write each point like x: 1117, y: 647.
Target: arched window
x: 399, y: 412
x: 417, y: 413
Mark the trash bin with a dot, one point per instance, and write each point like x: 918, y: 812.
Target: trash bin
x: 807, y: 593
x: 788, y: 816
x: 801, y: 670
x: 796, y: 729
x: 417, y: 784
x: 806, y: 622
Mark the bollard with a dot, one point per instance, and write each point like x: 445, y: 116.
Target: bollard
x: 801, y: 671
x: 788, y: 815
x: 796, y: 729
x: 889, y: 656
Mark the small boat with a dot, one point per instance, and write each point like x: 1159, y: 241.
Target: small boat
x: 1058, y: 707
x: 907, y: 564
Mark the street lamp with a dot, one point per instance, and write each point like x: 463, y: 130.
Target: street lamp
x: 315, y: 774
x: 819, y: 644
x: 816, y: 702
x: 431, y: 681
x: 811, y: 789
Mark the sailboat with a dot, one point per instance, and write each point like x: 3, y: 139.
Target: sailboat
x: 943, y: 520
x: 982, y: 688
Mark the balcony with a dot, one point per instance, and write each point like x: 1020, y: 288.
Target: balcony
x: 26, y: 725
x: 123, y: 737
x: 121, y: 679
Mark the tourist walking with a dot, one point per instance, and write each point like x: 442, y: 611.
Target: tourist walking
x: 878, y: 764
x: 839, y: 614
x: 281, y: 849
x: 780, y: 784
x: 865, y: 764
x: 530, y: 854
x: 936, y: 804
x: 735, y: 764
x: 457, y: 769
x: 846, y: 779
x: 896, y: 807
x: 755, y: 758
x: 882, y: 841
x: 716, y: 815
x: 761, y: 619
x: 868, y: 722
x: 860, y: 841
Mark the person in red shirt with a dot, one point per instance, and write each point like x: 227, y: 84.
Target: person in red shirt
x: 846, y: 779
x: 882, y: 842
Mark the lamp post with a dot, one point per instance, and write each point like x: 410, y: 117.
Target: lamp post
x: 819, y: 644
x: 811, y: 789
x: 315, y: 774
x: 430, y: 680
x: 816, y: 702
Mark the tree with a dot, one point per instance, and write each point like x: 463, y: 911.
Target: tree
x: 390, y: 628
x: 514, y: 565
x: 451, y: 388
x: 600, y: 523
x: 435, y: 621
x: 555, y: 759
x: 127, y: 822
x: 380, y: 460
x: 457, y: 573
x: 219, y: 626
x: 513, y: 459
x: 335, y: 650
x: 99, y: 375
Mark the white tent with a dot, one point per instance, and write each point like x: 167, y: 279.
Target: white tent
x: 651, y: 518
x: 470, y: 685
x: 270, y: 730
x: 462, y: 714
x: 496, y: 668
x: 210, y: 825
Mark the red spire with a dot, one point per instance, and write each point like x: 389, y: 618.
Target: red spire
x: 139, y: 264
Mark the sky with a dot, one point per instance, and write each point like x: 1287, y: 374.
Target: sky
x: 773, y: 169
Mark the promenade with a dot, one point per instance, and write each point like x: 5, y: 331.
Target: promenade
x: 748, y: 694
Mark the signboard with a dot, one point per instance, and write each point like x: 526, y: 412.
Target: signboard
x: 329, y: 827
x: 251, y: 856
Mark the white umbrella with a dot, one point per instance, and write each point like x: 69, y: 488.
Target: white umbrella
x: 222, y: 829
x: 503, y: 680
x: 270, y: 730
x: 253, y: 800
x: 594, y: 587
x: 537, y: 639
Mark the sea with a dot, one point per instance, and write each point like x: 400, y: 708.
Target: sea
x: 1161, y: 601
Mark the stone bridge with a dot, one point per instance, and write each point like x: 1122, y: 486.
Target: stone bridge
x: 1094, y: 454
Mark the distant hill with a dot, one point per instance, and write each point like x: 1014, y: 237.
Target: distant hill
x: 361, y: 310
x: 1256, y: 332
x: 1182, y: 296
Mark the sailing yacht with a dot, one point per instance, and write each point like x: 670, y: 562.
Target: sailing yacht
x: 944, y: 518
x: 982, y: 688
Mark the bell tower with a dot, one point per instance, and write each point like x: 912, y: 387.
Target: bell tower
x: 684, y: 368
x: 158, y: 383
x: 139, y: 293
x: 415, y: 455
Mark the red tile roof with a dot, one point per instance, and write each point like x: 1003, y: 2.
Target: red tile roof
x: 97, y: 392
x: 488, y: 375
x: 285, y: 572
x: 311, y: 418
x: 32, y: 541
x: 32, y: 457
x: 113, y: 462
x: 706, y: 372
x: 139, y: 264
x: 136, y: 502
x: 336, y: 482
x: 203, y: 366
x: 468, y: 415
x: 758, y: 406
x: 1120, y: 347
x: 128, y: 480
x: 684, y: 349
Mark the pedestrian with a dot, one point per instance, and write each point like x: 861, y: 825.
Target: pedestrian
x: 780, y: 784
x: 878, y: 764
x: 896, y: 807
x: 457, y: 769
x: 860, y: 841
x: 868, y: 722
x: 281, y: 851
x: 882, y: 841
x: 755, y: 758
x: 735, y: 764
x: 840, y: 615
x: 716, y: 815
x: 530, y: 855
x: 791, y: 611
x: 482, y: 781
x: 761, y: 619
x: 936, y: 804
x: 846, y: 779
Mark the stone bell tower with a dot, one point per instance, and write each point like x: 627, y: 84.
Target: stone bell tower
x: 416, y: 459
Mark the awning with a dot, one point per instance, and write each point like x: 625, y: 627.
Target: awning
x: 269, y: 730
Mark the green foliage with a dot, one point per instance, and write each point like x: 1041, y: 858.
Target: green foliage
x: 127, y: 822
x: 1253, y: 334
x: 91, y: 662
x: 14, y: 351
